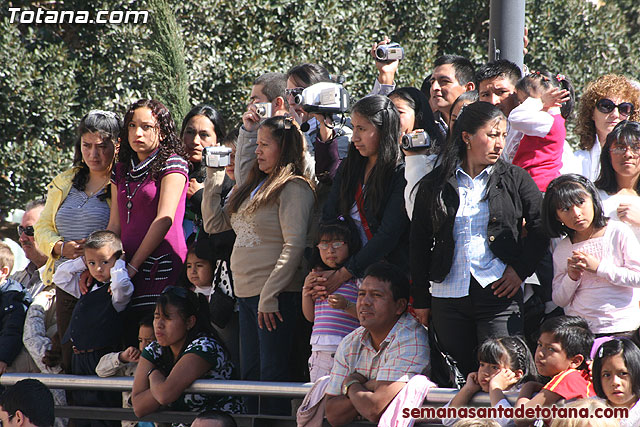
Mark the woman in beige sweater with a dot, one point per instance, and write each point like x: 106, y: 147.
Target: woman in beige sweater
x: 270, y: 215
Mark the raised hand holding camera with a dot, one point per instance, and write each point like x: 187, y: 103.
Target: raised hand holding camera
x: 263, y: 109
x: 389, y: 52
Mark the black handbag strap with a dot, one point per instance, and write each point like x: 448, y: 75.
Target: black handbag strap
x: 459, y: 379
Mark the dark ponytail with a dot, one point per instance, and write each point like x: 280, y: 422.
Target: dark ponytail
x: 544, y: 80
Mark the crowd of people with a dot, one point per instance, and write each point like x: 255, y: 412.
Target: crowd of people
x: 489, y: 258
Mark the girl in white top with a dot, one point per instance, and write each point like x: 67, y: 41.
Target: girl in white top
x: 619, y: 183
x: 596, y: 267
x: 605, y: 102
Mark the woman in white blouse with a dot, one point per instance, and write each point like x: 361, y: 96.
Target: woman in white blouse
x: 619, y: 180
x: 604, y: 103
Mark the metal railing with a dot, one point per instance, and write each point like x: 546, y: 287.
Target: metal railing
x: 436, y: 397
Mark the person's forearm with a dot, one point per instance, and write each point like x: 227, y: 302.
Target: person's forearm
x: 108, y: 365
x: 214, y: 217
x: 340, y: 411
x: 308, y: 308
x: 367, y: 403
x: 144, y: 403
x: 160, y: 391
x: 496, y: 395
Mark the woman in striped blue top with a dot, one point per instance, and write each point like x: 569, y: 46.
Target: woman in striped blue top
x: 78, y: 204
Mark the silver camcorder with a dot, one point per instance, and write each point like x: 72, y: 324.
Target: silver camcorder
x: 416, y: 141
x: 389, y: 52
x: 324, y: 97
x: 263, y: 109
x: 216, y: 157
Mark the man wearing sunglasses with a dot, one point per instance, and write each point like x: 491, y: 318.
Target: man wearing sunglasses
x: 30, y: 276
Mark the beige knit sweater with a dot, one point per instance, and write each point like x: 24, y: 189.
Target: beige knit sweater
x: 269, y: 243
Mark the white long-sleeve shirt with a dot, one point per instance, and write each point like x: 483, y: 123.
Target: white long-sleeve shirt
x: 416, y: 167
x: 607, y: 299
x: 67, y: 278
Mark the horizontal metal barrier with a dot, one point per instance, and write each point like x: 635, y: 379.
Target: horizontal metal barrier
x: 82, y: 382
x: 436, y: 397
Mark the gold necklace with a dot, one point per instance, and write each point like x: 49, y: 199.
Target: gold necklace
x: 90, y: 195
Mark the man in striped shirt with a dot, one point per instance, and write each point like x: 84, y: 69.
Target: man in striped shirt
x: 374, y: 362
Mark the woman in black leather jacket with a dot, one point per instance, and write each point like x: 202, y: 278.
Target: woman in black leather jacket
x: 467, y: 238
x: 369, y: 188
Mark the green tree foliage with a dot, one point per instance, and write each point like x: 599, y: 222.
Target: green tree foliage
x: 52, y: 74
x: 166, y: 59
x: 37, y: 89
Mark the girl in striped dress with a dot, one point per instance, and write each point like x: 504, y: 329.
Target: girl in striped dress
x: 333, y: 316
x: 149, y: 191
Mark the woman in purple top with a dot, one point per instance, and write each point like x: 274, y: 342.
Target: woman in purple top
x: 148, y: 202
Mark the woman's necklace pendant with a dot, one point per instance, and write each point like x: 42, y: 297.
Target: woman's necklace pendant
x: 130, y: 194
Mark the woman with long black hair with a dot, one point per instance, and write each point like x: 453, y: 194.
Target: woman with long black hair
x: 186, y: 349
x: 369, y: 188
x: 467, y: 238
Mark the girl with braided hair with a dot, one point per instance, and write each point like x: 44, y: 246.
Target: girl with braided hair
x: 505, y: 364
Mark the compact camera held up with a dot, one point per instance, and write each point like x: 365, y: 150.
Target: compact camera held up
x: 263, y: 109
x: 389, y: 52
x: 416, y: 141
x: 324, y: 97
x: 216, y: 157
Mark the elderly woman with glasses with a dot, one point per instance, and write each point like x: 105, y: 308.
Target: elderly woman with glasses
x: 77, y: 204
x: 619, y: 180
x: 604, y: 103
x: 186, y: 349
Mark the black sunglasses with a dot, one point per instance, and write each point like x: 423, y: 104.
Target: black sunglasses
x: 606, y: 106
x: 28, y: 230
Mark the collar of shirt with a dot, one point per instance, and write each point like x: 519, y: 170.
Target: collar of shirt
x: 40, y: 270
x: 482, y: 176
x: 365, y: 338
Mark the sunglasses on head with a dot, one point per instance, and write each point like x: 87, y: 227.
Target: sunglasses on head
x: 606, y: 106
x: 29, y: 231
